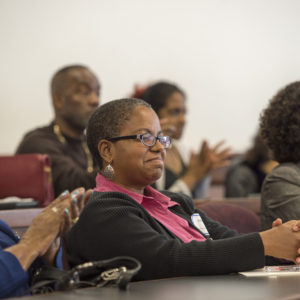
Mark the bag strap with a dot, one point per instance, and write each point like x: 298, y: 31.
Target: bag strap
x: 118, y: 270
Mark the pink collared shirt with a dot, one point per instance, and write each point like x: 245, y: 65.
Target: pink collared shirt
x: 157, y: 206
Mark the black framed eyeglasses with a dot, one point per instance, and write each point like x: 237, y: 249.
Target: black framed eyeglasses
x: 147, y: 139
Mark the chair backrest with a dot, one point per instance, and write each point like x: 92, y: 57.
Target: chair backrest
x: 233, y: 216
x: 26, y: 176
x: 251, y: 203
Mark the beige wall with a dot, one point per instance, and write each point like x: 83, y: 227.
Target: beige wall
x: 230, y: 56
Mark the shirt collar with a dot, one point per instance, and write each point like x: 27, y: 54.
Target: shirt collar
x: 105, y: 185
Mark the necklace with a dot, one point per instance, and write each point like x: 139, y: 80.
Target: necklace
x: 61, y: 138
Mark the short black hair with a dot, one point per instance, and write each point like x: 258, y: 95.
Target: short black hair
x: 60, y: 76
x: 158, y: 94
x: 280, y: 124
x: 107, y: 121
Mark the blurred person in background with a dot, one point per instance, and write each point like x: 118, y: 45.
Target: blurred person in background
x: 280, y: 128
x: 185, y: 171
x: 246, y: 174
x: 75, y: 92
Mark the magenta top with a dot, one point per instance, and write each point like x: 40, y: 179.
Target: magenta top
x: 157, y: 206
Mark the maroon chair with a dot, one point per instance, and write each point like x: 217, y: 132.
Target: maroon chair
x: 233, y: 216
x: 26, y: 176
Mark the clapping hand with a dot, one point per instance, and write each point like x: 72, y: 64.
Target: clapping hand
x: 205, y: 161
x: 211, y: 158
x: 72, y: 207
x: 42, y: 236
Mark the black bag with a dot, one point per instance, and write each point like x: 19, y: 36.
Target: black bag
x: 118, y: 270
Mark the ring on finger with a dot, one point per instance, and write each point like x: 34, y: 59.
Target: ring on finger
x: 54, y: 209
x: 75, y: 220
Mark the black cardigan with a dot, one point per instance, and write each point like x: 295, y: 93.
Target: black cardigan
x: 114, y: 224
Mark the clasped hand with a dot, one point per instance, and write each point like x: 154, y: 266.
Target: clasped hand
x: 283, y: 240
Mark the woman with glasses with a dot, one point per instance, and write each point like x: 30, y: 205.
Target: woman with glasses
x: 126, y: 216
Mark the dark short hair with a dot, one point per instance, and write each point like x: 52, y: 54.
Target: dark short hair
x: 158, y: 94
x: 107, y: 121
x: 59, y: 78
x: 280, y: 124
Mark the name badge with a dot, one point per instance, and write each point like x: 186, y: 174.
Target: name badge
x: 197, y: 221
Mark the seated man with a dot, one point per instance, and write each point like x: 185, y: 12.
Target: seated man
x: 75, y: 95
